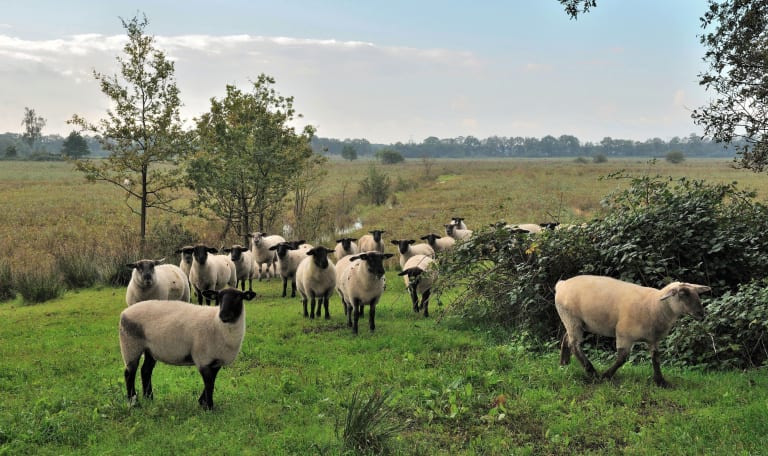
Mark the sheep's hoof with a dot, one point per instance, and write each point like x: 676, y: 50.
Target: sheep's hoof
x: 327, y: 317
x: 661, y: 383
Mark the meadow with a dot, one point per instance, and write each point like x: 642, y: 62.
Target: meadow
x: 449, y: 388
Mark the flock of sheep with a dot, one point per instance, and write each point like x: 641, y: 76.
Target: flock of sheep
x: 161, y: 324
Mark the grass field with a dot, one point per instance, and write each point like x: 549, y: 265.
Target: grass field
x: 454, y: 389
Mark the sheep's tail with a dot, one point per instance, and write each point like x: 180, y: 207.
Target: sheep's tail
x: 565, y: 351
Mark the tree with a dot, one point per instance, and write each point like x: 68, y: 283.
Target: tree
x: 11, y: 151
x: 33, y: 127
x: 75, y: 146
x: 736, y: 51
x: 389, y: 156
x: 142, y: 132
x: 248, y: 156
x: 348, y: 152
x: 675, y: 156
x: 375, y: 187
x: 575, y: 7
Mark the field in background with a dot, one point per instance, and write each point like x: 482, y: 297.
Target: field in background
x: 47, y: 207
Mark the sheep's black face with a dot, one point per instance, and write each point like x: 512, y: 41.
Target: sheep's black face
x: 146, y: 272
x: 237, y: 253
x: 377, y: 235
x: 375, y: 263
x: 346, y: 243
x: 403, y: 245
x: 230, y: 301
x: 320, y: 256
x: 200, y: 253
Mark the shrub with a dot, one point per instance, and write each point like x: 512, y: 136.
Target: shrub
x: 389, y: 156
x: 77, y: 267
x: 6, y: 281
x: 655, y: 231
x: 675, y: 156
x: 38, y: 285
x: 367, y: 426
x: 375, y: 187
x: 599, y: 158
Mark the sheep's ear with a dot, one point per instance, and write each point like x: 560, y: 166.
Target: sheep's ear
x: 160, y: 261
x: 387, y: 255
x: 362, y: 256
x: 669, y: 293
x: 211, y: 294
x: 131, y: 265
x: 339, y: 240
x: 394, y: 241
x: 402, y: 273
x: 248, y: 295
x: 699, y: 288
x: 311, y: 252
x: 212, y: 250
x: 274, y: 247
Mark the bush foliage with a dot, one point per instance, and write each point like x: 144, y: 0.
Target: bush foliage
x: 655, y: 231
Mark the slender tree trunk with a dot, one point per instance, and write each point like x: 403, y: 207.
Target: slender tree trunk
x: 143, y: 230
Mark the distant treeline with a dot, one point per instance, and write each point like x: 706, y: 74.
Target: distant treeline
x: 548, y: 146
x: 49, y: 147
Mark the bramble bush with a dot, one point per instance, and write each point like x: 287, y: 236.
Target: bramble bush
x: 655, y: 231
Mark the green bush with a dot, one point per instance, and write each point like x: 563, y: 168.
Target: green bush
x: 38, y: 285
x: 6, y: 282
x: 655, y: 231
x: 375, y: 187
x: 78, y: 268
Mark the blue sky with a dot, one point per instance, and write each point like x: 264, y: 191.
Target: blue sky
x: 387, y: 72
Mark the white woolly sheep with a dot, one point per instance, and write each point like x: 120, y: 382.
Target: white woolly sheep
x: 344, y: 247
x: 262, y: 255
x: 151, y: 279
x: 182, y: 334
x: 289, y: 255
x: 419, y: 272
x: 371, y: 242
x: 211, y: 272
x: 362, y: 283
x: 242, y: 258
x: 459, y: 222
x: 186, y: 258
x: 439, y: 243
x: 407, y: 249
x: 456, y: 233
x: 630, y: 313
x: 316, y: 280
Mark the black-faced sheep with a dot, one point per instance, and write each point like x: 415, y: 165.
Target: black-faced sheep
x: 211, y: 272
x: 459, y: 222
x: 289, y: 255
x: 182, y: 334
x: 151, y: 279
x: 242, y: 257
x: 316, y: 280
x: 186, y: 258
x: 362, y: 283
x: 371, y: 242
x: 439, y: 243
x: 407, y: 249
x: 630, y: 313
x: 457, y: 233
x: 262, y: 255
x: 344, y: 247
x: 419, y: 272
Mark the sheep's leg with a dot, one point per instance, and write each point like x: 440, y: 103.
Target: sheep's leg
x: 199, y: 296
x: 621, y: 358
x: 293, y: 288
x: 425, y: 302
x: 348, y: 312
x: 304, y: 303
x: 657, y: 377
x: 576, y: 347
x: 130, y: 380
x: 414, y: 298
x: 372, y: 315
x: 285, y: 286
x: 356, y: 308
x: 209, y: 378
x: 326, y: 303
x: 312, y: 307
x: 250, y: 283
x: 146, y: 374
x: 565, y: 351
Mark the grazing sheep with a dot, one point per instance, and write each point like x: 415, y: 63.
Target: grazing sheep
x: 186, y: 258
x: 456, y: 233
x: 419, y: 275
x: 182, y: 334
x: 407, y: 249
x: 242, y: 258
x: 262, y: 255
x: 289, y: 255
x: 439, y: 243
x: 344, y: 247
x: 342, y: 266
x: 459, y: 222
x: 211, y: 272
x: 151, y: 279
x: 316, y: 279
x: 630, y: 313
x: 362, y: 282
x: 371, y: 242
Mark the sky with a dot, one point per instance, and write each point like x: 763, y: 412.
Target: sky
x: 395, y: 71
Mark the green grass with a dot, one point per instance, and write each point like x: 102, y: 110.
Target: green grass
x: 455, y: 390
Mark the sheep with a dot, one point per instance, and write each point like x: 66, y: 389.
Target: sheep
x: 151, y: 279
x: 210, y: 272
x: 182, y: 334
x: 344, y: 247
x: 459, y: 222
x: 362, y: 283
x: 260, y: 244
x: 242, y: 258
x: 316, y: 279
x: 371, y: 242
x: 439, y: 243
x: 457, y: 233
x: 289, y: 255
x: 407, y: 249
x: 628, y: 312
x: 419, y: 275
x: 186, y: 258
x: 531, y: 227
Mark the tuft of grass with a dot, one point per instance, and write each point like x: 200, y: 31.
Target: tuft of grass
x: 77, y: 267
x: 38, y: 285
x: 368, y: 426
x: 6, y: 281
